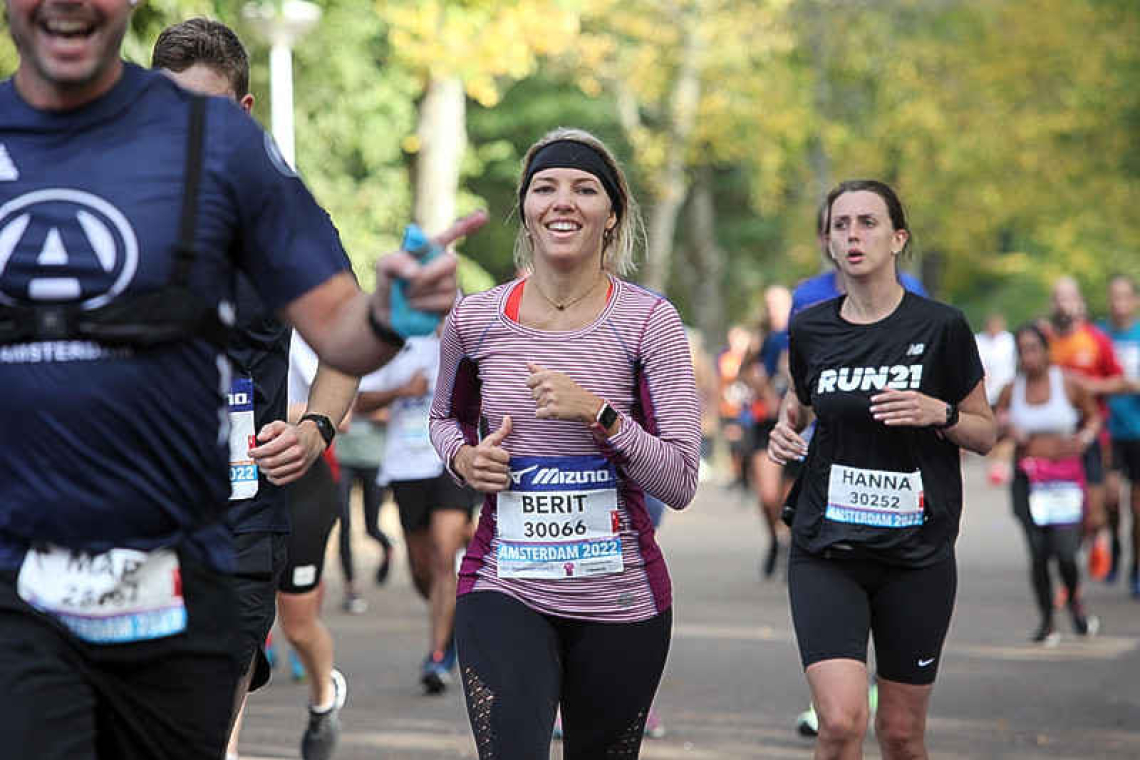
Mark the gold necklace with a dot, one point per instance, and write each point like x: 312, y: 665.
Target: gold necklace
x: 566, y: 304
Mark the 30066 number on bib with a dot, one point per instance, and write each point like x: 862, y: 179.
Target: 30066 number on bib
x: 559, y: 519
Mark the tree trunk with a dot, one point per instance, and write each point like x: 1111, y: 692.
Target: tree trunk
x: 708, y: 258
x: 442, y: 132
x: 671, y: 183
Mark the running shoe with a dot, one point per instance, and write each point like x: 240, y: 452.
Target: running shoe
x: 654, y: 728
x: 1099, y: 558
x: 436, y: 672
x: 807, y: 723
x: 296, y: 667
x: 354, y: 604
x: 1083, y: 625
x: 1046, y: 634
x: 320, y: 739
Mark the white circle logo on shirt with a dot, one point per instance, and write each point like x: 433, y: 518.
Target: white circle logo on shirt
x: 64, y: 245
x: 275, y: 157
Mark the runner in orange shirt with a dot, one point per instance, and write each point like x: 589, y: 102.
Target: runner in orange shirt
x: 1087, y: 356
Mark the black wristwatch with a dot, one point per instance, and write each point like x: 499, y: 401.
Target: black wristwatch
x: 383, y: 332
x: 607, y: 416
x: 324, y: 427
x: 951, y: 416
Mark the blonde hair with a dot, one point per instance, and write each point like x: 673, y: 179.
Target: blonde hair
x: 628, y: 235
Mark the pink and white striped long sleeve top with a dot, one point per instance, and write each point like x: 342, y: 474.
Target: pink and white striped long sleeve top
x: 636, y: 356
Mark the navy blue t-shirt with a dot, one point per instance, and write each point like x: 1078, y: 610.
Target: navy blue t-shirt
x: 259, y: 349
x: 100, y: 447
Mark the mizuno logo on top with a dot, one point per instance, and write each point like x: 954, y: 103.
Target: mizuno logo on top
x: 556, y: 476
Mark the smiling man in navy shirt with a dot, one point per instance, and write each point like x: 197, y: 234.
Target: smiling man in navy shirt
x: 127, y: 207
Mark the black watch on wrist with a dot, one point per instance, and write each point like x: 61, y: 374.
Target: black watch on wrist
x: 607, y: 416
x: 951, y: 416
x: 324, y: 426
x: 383, y: 332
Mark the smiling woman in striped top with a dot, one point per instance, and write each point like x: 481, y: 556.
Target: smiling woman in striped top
x: 566, y: 397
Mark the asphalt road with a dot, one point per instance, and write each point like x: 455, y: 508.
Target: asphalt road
x: 733, y: 684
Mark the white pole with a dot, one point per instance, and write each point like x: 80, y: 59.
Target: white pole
x: 281, y: 99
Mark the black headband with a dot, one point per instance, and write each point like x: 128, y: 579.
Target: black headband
x: 571, y: 154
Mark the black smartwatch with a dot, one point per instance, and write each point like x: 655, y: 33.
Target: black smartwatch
x: 607, y: 416
x: 324, y: 426
x: 951, y: 416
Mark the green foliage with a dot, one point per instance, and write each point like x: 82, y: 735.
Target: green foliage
x: 1014, y: 142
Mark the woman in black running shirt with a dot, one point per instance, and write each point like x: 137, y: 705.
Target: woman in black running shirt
x: 895, y: 383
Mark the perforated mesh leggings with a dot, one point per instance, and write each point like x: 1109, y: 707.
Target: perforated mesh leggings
x: 518, y: 665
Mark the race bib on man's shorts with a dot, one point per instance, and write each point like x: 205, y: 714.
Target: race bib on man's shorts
x: 117, y: 597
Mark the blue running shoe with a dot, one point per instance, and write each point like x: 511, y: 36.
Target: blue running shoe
x: 296, y: 667
x: 436, y: 673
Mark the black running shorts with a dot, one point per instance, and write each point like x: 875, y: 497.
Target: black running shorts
x: 260, y: 562
x: 170, y: 698
x: 417, y: 499
x: 314, y: 507
x: 1093, y: 460
x: 1126, y: 458
x: 837, y: 602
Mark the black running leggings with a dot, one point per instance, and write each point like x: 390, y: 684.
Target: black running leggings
x: 518, y: 665
x: 373, y: 495
x: 1046, y: 542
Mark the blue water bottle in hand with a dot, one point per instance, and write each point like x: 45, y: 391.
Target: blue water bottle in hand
x: 406, y: 320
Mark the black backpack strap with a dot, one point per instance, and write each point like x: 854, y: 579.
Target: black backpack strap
x: 188, y: 222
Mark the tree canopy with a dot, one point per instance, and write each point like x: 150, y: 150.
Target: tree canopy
x: 1010, y: 129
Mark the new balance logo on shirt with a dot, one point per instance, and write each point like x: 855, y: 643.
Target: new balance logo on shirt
x: 8, y: 170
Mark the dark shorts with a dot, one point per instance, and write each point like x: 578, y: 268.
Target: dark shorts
x: 417, y: 499
x: 314, y: 509
x: 1093, y: 461
x: 837, y: 602
x: 1126, y: 458
x: 170, y: 698
x: 260, y: 562
x: 760, y: 432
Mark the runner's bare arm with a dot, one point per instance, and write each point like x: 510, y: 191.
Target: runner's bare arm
x: 288, y: 449
x: 785, y: 442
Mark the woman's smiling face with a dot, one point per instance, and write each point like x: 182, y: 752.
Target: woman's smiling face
x: 567, y: 213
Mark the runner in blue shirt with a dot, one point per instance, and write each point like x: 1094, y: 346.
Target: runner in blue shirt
x: 1123, y: 329
x: 127, y: 207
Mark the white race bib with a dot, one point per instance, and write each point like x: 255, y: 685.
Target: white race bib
x: 410, y: 425
x: 119, y: 596
x: 877, y: 498
x: 560, y: 519
x: 1058, y: 502
x: 243, y: 437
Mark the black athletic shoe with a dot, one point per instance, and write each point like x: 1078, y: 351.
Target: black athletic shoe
x: 436, y: 671
x: 1046, y: 634
x: 323, y: 732
x: 1083, y: 625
